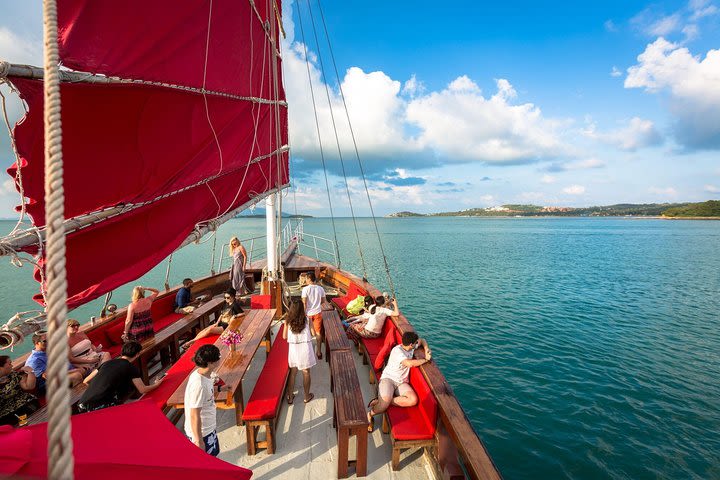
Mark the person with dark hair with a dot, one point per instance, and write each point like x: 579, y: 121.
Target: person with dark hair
x: 114, y: 381
x: 38, y: 362
x: 200, y: 409
x: 393, y: 388
x: 299, y: 333
x: 370, y: 324
x: 313, y: 296
x: 183, y: 298
x: 233, y: 310
x: 16, y: 403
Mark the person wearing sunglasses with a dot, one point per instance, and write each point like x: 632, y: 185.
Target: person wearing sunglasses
x: 38, y: 362
x: 84, y: 356
x: 233, y: 311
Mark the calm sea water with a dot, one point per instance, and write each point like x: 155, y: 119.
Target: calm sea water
x: 580, y: 348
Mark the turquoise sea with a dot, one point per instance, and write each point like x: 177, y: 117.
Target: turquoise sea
x: 580, y: 348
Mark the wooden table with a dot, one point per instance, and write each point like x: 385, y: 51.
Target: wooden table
x: 234, y: 364
x: 335, y: 336
x: 169, y: 337
x: 349, y: 415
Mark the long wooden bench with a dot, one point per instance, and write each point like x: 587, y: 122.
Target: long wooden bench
x: 335, y: 337
x: 413, y: 427
x: 263, y: 407
x: 41, y: 415
x: 349, y: 416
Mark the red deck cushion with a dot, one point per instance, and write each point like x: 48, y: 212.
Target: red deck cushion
x: 374, y: 345
x: 352, y: 292
x: 114, y: 331
x: 378, y: 361
x: 260, y: 301
x: 165, y: 321
x: 418, y: 422
x: 178, y: 373
x: 162, y: 306
x: 270, y: 385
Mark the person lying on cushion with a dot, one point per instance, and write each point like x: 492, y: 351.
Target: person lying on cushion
x: 114, y: 381
x: 394, y: 388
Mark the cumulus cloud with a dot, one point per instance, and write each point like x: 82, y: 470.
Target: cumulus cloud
x: 548, y: 179
x: 638, y: 133
x: 574, y: 190
x: 413, y: 127
x: 711, y: 189
x: 615, y: 72
x: 18, y: 49
x: 692, y: 85
x: 656, y: 23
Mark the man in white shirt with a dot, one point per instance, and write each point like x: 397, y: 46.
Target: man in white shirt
x: 313, y: 296
x: 393, y: 388
x: 200, y: 410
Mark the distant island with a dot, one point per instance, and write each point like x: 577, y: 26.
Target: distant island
x: 260, y: 213
x: 709, y: 209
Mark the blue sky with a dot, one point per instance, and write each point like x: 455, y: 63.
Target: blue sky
x: 473, y: 104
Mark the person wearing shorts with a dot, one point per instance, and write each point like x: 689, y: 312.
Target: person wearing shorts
x: 313, y: 296
x: 393, y: 388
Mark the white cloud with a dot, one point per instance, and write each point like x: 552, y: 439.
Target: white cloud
x: 17, y: 49
x: 610, y: 26
x: 8, y: 188
x: 585, y: 164
x: 686, y: 20
x: 693, y: 86
x: 413, y: 87
x: 665, y: 25
x: 711, y: 189
x: 663, y: 191
x: 574, y: 190
x: 700, y: 9
x: 548, y: 179
x: 638, y: 133
x: 615, y: 72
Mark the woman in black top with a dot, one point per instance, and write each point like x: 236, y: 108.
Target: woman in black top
x: 232, y: 310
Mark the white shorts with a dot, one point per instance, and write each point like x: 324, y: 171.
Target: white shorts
x: 388, y: 388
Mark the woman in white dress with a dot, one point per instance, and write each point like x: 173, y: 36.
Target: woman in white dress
x: 301, y: 355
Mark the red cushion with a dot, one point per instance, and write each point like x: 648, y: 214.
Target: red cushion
x: 418, y: 422
x: 162, y: 306
x: 388, y: 344
x: 270, y: 385
x: 97, y: 335
x: 114, y: 332
x: 260, y: 301
x: 352, y: 292
x: 178, y: 373
x: 374, y: 345
x: 113, y: 350
x: 164, y: 321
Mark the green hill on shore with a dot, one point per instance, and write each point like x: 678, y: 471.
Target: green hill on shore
x: 709, y: 209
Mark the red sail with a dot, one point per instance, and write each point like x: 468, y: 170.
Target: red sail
x: 173, y: 158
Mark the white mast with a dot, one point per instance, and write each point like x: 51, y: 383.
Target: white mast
x: 271, y: 229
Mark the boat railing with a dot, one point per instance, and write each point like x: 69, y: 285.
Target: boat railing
x: 253, y: 253
x: 313, y: 243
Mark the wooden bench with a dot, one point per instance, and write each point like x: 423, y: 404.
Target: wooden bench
x: 168, y: 338
x: 263, y: 407
x: 349, y: 415
x: 413, y: 427
x: 335, y: 337
x: 41, y: 415
x: 234, y: 364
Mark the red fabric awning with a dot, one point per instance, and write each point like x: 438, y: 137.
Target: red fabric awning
x: 186, y: 157
x: 131, y: 441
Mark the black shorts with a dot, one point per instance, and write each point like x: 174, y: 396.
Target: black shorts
x: 224, y: 325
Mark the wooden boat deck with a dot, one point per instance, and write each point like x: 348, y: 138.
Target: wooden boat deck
x: 295, y: 262
x: 306, y: 440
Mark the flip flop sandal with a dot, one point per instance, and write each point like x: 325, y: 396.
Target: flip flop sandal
x: 290, y: 399
x: 312, y: 395
x: 371, y: 427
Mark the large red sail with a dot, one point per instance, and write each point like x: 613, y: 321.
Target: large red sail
x: 173, y: 155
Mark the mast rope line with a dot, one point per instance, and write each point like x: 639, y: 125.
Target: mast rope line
x: 71, y: 76
x: 265, y: 28
x: 317, y: 128
x: 337, y: 140
x: 60, y: 443
x: 357, y: 153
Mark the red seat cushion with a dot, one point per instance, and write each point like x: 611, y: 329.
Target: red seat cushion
x: 178, y: 373
x: 374, y: 345
x: 418, y: 422
x: 97, y: 335
x: 352, y: 292
x: 162, y: 306
x: 113, y: 350
x: 114, y: 331
x: 378, y: 361
x: 270, y: 385
x: 260, y: 301
x: 166, y: 320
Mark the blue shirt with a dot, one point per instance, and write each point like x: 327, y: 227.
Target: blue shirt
x: 182, y: 299
x: 38, y: 362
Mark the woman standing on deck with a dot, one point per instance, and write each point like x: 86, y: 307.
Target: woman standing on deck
x: 299, y: 333
x: 138, y: 323
x: 237, y: 271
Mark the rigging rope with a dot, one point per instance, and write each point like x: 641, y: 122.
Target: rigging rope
x: 357, y: 154
x: 60, y: 445
x: 337, y: 140
x: 317, y: 128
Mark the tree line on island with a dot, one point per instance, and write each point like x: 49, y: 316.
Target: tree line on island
x: 709, y: 209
